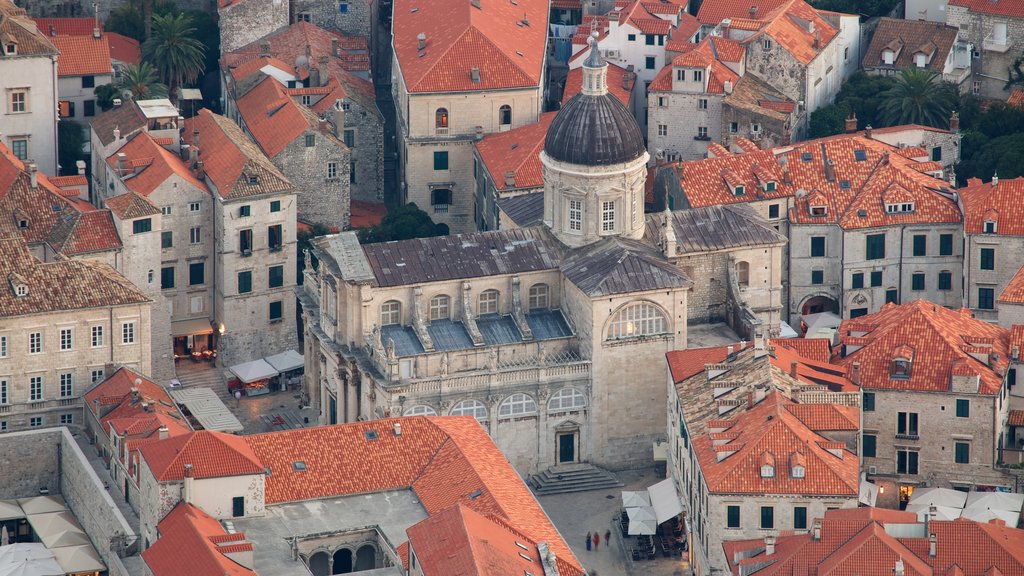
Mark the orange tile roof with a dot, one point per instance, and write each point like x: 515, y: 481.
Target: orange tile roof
x: 712, y: 13
x: 516, y: 151
x: 1009, y: 8
x: 460, y: 540
x: 855, y: 541
x: 67, y: 181
x: 16, y: 26
x: 620, y: 83
x: 459, y: 36
x: 827, y: 417
x: 115, y: 387
x: 938, y: 336
x: 211, y: 454
x: 701, y: 56
x: 1014, y: 291
x: 273, y: 118
x: 1007, y: 200
x: 158, y: 164
x: 443, y: 459
x: 123, y: 48
x: 89, y: 232
x: 679, y: 40
x: 366, y: 214
x: 1016, y: 98
x: 130, y: 206
x: 66, y: 26
x: 683, y: 364
x: 787, y: 25
x: 818, y: 349
x: 193, y: 542
x: 82, y: 55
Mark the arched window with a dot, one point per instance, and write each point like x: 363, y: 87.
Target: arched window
x: 635, y: 320
x: 488, y: 302
x: 505, y: 115
x: 420, y: 410
x: 474, y: 408
x: 743, y: 273
x: 566, y: 399
x: 441, y: 118
x: 517, y: 405
x: 538, y: 297
x: 390, y: 313
x: 439, y: 308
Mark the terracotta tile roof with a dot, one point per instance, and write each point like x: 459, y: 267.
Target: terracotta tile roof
x: 157, y: 163
x: 67, y: 181
x: 855, y: 541
x: 16, y: 26
x: 516, y: 151
x: 272, y: 118
x: 204, y: 543
x: 82, y: 55
x: 827, y: 417
x: 935, y: 39
x: 758, y: 97
x: 130, y: 206
x: 66, y: 26
x: 88, y: 232
x: 683, y: 364
x: 566, y: 5
x: 817, y: 349
x: 789, y: 25
x: 460, y: 540
x: 232, y: 161
x: 1016, y: 340
x: 1014, y: 291
x: 211, y: 454
x: 59, y: 286
x: 703, y: 55
x: 1016, y: 98
x: 679, y: 40
x: 712, y: 13
x: 938, y: 336
x: 492, y: 38
x: 114, y: 388
x: 127, y: 118
x: 1007, y: 200
x: 445, y: 460
x: 123, y: 48
x: 620, y: 83
x: 998, y: 8
x: 366, y: 214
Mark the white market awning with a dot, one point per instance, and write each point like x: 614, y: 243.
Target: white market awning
x: 58, y: 529
x: 938, y: 496
x: 253, y: 371
x: 42, y: 504
x: 207, y: 408
x: 286, y: 361
x: 28, y: 559
x: 635, y: 499
x: 941, y: 512
x: 996, y: 501
x: 192, y: 327
x: 979, y: 514
x: 10, y: 510
x: 641, y: 521
x: 665, y: 500
x: 79, y: 559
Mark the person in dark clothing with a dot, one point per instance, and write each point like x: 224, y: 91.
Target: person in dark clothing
x: 588, y: 542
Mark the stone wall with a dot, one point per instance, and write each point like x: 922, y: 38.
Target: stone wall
x: 367, y: 151
x: 679, y: 116
x: 30, y: 461
x: 321, y: 199
x: 354, y: 21
x: 245, y: 21
x: 992, y: 66
x: 1007, y: 261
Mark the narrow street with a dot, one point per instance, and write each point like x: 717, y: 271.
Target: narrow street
x: 382, y: 85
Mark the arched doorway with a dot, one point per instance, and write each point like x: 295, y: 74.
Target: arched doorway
x: 818, y: 304
x: 442, y: 229
x: 343, y: 561
x: 318, y: 564
x: 366, y: 558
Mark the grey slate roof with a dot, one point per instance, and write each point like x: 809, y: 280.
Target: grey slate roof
x: 715, y: 228
x: 594, y: 131
x: 342, y: 253
x: 525, y: 210
x: 620, y: 266
x: 475, y: 255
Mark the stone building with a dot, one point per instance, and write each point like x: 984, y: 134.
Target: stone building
x: 935, y: 396
x: 304, y: 147
x: 62, y: 324
x: 757, y: 112
x: 243, y: 21
x: 761, y: 439
x: 84, y: 64
x: 993, y: 241
x: 28, y: 63
x: 996, y: 31
x: 350, y: 17
x: 919, y: 44
x: 509, y: 183
x: 332, y: 79
x: 459, y: 72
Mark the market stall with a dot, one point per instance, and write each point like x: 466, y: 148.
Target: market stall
x: 252, y: 378
x: 290, y: 365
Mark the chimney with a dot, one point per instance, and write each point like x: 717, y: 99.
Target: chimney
x: 189, y: 480
x: 792, y: 368
x: 193, y: 153
x: 121, y: 165
x: 145, y: 406
x: 421, y: 39
x: 117, y: 102
x: 995, y: 179
x: 817, y: 530
x: 727, y: 86
x: 322, y: 67
x: 851, y: 123
x: 933, y: 545
x: 922, y: 14
x: 324, y: 126
x: 96, y: 33
x: 729, y: 351
x: 163, y: 432
x: 898, y: 569
x: 750, y: 398
x: 769, y: 545
x: 33, y: 174
x: 1015, y: 353
x: 867, y: 131
x: 334, y: 47
x: 855, y: 373
x: 53, y: 30
x: 397, y: 428
x: 474, y: 74
x: 817, y: 37
x: 954, y: 122
x: 264, y: 49
x: 339, y: 118
x: 135, y: 394
x: 80, y: 167
x: 726, y: 24
x: 309, y: 51
x: 200, y: 171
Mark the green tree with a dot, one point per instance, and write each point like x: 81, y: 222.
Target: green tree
x: 174, y: 51
x: 919, y: 97
x: 105, y: 95
x: 868, y: 8
x: 70, y: 141
x: 1003, y: 155
x: 305, y: 242
x: 829, y: 120
x: 402, y: 223
x: 142, y: 81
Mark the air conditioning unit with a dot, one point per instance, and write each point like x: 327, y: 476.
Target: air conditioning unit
x: 612, y: 54
x: 872, y: 469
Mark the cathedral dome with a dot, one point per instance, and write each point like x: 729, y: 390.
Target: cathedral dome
x: 594, y: 128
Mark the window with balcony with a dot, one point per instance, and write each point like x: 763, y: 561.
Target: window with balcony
x: 441, y: 199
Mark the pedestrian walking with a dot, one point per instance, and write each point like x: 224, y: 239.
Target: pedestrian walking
x: 588, y: 542
x: 607, y: 536
x: 597, y: 539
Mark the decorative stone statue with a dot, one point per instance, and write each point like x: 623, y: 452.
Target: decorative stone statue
x: 377, y: 344
x: 492, y: 359
x: 542, y: 355
x: 307, y: 261
x: 391, y: 350
x: 444, y: 364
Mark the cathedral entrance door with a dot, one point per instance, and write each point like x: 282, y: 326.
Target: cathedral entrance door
x: 567, y: 448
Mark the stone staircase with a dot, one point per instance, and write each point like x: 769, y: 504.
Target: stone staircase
x: 203, y: 376
x: 571, y: 478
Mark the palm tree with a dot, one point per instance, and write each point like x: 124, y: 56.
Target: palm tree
x: 173, y: 50
x: 918, y: 97
x: 141, y: 80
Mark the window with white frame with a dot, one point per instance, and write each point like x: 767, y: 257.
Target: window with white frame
x: 66, y: 339
x: 96, y: 375
x: 18, y: 101
x: 165, y: 210
x: 303, y: 17
x: 636, y: 320
x: 35, y: 421
x: 19, y: 147
x: 538, y: 297
x: 97, y: 336
x: 3, y: 346
x: 702, y: 132
x: 608, y: 216
x: 575, y: 215
x: 488, y: 302
x: 662, y: 129
x: 474, y: 408
x: 698, y: 75
x: 566, y: 399
x: 128, y: 333
x: 391, y: 313
x: 35, y: 343
x: 517, y: 405
x: 67, y: 418
x: 194, y: 207
x: 67, y: 385
x: 439, y: 309
x: 332, y: 170
x: 35, y: 388
x: 420, y: 410
x: 195, y: 235
x: 4, y: 398
x: 702, y: 104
